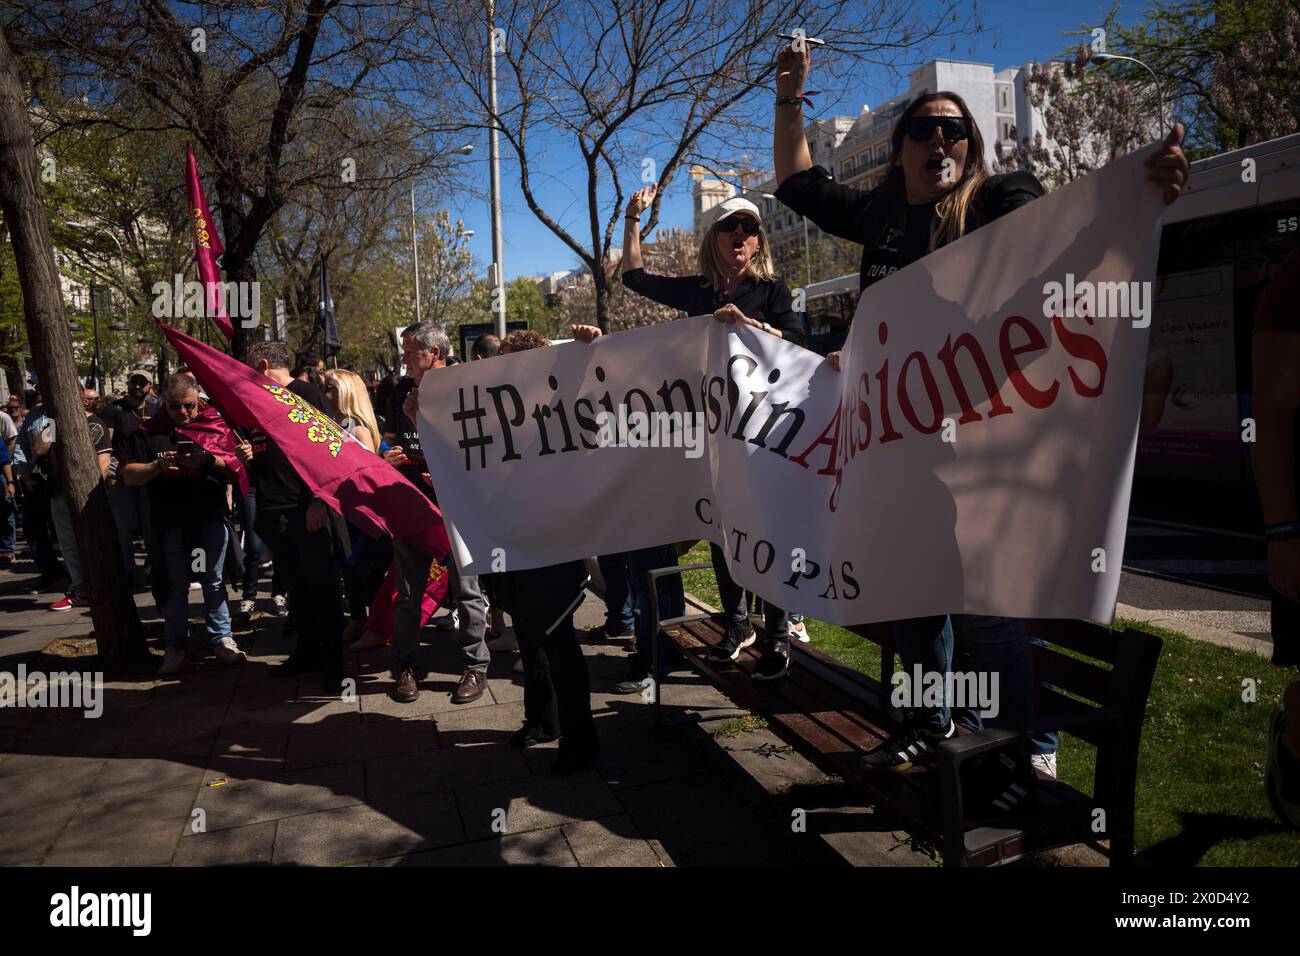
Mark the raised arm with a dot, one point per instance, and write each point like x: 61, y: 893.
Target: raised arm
x: 790, y: 145
x: 639, y: 203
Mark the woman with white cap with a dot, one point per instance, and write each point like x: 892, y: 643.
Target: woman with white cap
x: 737, y: 283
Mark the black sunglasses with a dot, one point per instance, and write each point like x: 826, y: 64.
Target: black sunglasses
x: 921, y: 128
x: 744, y: 222
x: 177, y: 406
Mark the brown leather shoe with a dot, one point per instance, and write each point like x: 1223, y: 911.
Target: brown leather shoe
x: 406, y: 691
x: 471, y: 687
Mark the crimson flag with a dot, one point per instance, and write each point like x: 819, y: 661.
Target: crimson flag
x: 207, y: 246
x: 339, y: 470
x: 211, y: 433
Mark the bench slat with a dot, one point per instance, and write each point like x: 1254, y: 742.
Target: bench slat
x: 1071, y: 674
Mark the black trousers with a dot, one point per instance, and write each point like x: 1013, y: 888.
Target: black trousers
x: 311, y: 573
x: 38, y: 528
x: 557, y: 688
x: 364, y: 571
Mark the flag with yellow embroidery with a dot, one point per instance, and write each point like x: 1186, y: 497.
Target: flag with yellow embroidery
x: 339, y: 470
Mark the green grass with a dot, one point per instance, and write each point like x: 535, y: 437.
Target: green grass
x: 1200, y: 792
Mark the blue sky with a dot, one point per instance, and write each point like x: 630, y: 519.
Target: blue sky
x: 1015, y: 32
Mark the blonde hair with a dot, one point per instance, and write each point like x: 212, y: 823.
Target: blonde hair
x: 951, y: 211
x: 353, y: 401
x: 760, y: 266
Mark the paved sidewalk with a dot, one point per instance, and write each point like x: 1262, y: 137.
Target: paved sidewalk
x: 226, y: 766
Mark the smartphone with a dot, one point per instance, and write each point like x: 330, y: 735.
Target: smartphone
x: 185, y: 448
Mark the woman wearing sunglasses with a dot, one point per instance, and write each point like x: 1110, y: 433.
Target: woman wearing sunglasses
x: 737, y: 283
x: 937, y: 190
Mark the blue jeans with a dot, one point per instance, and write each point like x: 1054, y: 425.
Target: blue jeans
x: 619, y: 613
x: 672, y: 598
x: 9, y: 526
x: 254, y: 549
x: 66, y: 533
x: 178, y: 551
x: 996, y: 645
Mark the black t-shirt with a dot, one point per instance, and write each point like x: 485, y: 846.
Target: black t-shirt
x: 277, y: 483
x: 400, y: 424
x: 891, y: 240
x: 764, y: 300
x: 122, y: 417
x: 177, y: 502
x: 98, y: 439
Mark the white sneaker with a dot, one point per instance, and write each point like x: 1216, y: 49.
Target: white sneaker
x: 448, y: 622
x: 799, y: 633
x: 173, y: 661
x: 246, y: 608
x: 280, y: 605
x: 228, y: 652
x: 1045, y: 763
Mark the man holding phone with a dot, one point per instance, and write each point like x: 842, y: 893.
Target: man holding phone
x: 187, y: 500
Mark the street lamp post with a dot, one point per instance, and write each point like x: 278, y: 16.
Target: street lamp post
x: 1160, y: 95
x: 415, y: 256
x: 99, y: 352
x: 494, y: 158
x: 118, y: 325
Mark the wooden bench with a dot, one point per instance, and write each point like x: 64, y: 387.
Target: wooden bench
x: 832, y: 715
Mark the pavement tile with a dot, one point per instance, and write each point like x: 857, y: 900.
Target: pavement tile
x: 89, y: 738
x: 247, y: 758
x: 534, y: 803
x: 773, y: 763
x: 171, y: 715
x: 361, y: 833
x: 477, y: 725
x: 703, y: 822
x: 27, y: 835
x: 243, y: 802
x: 636, y: 753
x: 611, y: 841
x: 442, y: 769
x: 294, y: 716
x: 536, y: 848
x: 238, y: 846
x: 142, y: 831
x: 46, y: 781
x: 312, y: 748
x: 253, y: 697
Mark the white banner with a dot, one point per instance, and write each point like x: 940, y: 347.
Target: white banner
x: 973, y: 455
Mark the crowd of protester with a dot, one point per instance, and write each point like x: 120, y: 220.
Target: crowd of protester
x: 249, y: 516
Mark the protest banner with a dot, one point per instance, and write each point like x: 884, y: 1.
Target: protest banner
x: 974, y: 454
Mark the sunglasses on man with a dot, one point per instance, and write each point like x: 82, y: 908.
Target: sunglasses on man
x: 731, y: 223
x: 177, y: 406
x: 921, y: 128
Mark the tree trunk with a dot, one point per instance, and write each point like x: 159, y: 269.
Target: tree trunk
x: 117, y: 624
x: 601, y: 282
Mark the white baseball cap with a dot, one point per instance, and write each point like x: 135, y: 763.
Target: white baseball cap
x: 737, y: 205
